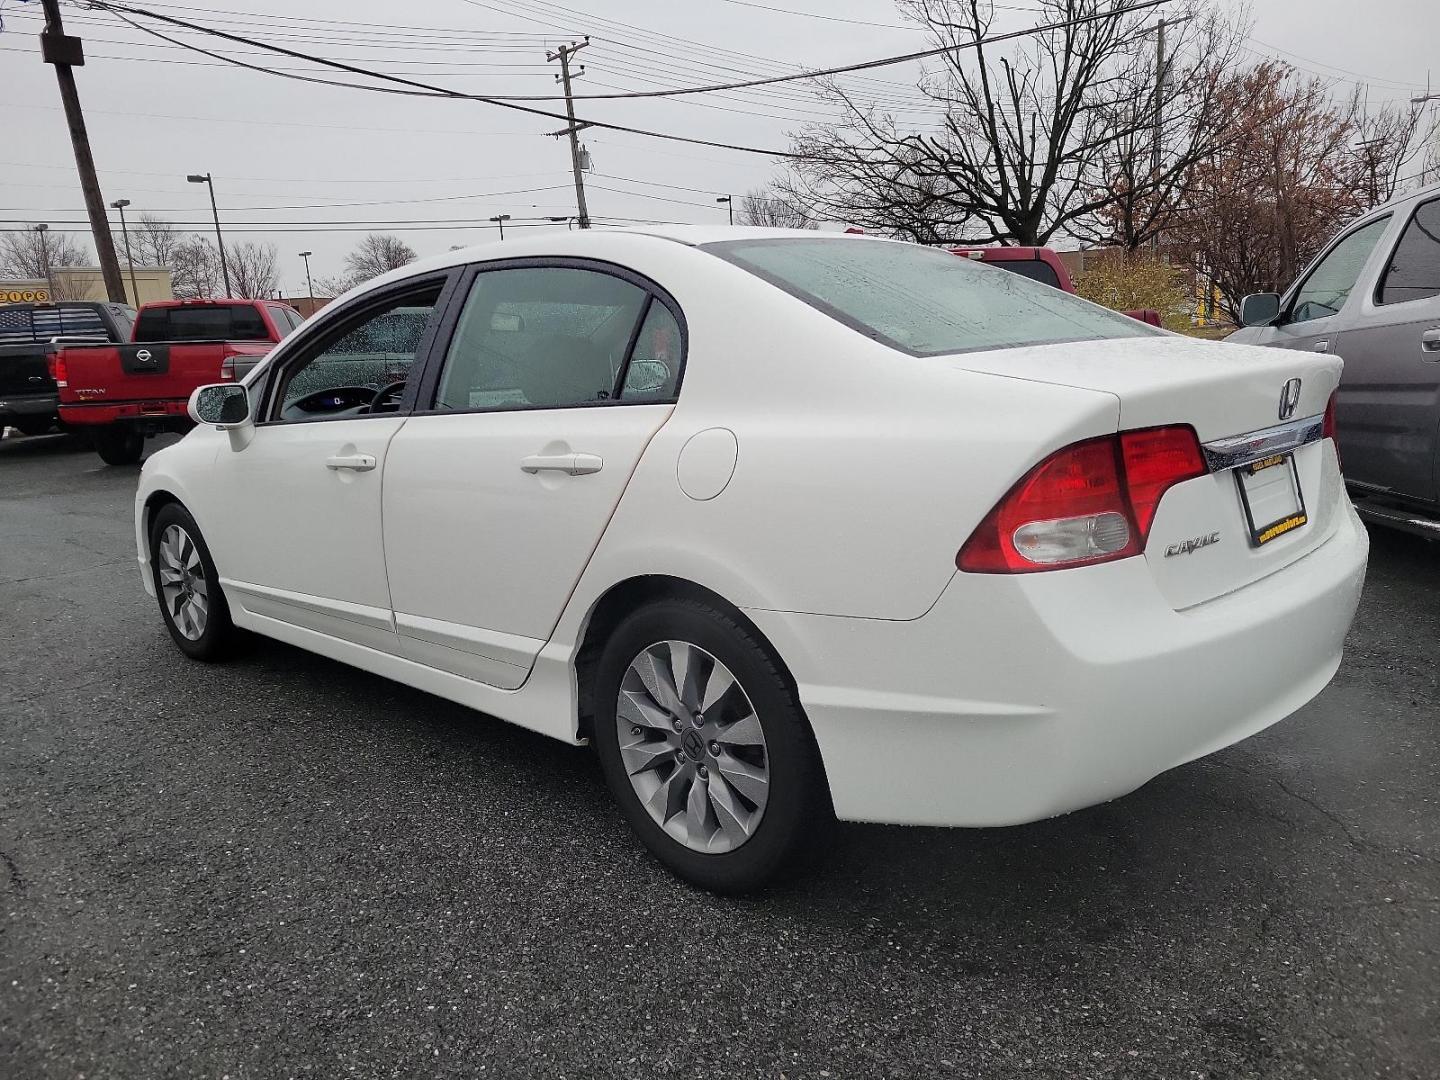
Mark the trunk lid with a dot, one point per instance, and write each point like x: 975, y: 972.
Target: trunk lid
x: 1203, y: 542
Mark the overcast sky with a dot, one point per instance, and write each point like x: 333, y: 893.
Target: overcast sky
x: 289, y: 152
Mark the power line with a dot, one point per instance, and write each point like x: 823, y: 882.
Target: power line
x: 509, y: 101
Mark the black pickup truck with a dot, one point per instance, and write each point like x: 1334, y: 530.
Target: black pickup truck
x: 29, y: 333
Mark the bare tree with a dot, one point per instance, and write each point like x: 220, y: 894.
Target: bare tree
x: 1387, y: 141
x: 40, y: 256
x: 254, y: 269
x: 772, y: 208
x: 375, y: 254
x: 195, y: 269
x: 1019, y: 153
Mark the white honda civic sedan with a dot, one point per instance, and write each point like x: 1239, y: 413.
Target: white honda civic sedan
x: 789, y: 526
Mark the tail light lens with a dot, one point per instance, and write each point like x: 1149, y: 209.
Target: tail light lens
x: 1092, y: 502
x: 1328, y: 429
x: 58, y: 371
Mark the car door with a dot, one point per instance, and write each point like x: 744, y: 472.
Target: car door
x: 297, y: 534
x: 556, y: 376
x: 1388, y: 412
x: 1315, y: 312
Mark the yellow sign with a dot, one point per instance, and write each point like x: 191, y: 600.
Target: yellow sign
x: 25, y: 296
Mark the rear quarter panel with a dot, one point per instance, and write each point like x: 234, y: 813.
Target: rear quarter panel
x: 859, y: 471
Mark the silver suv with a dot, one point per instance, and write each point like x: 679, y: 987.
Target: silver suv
x: 1373, y: 298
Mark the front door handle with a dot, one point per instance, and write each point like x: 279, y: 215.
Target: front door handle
x: 354, y: 462
x: 1321, y: 346
x: 1430, y: 343
x: 573, y: 464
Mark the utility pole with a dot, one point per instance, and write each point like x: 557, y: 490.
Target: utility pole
x: 500, y: 220
x: 206, y: 179
x: 40, y: 231
x: 120, y: 204
x: 66, y: 53
x: 309, y: 285
x: 563, y: 54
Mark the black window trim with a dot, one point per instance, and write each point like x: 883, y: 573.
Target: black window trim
x: 1389, y: 259
x: 300, y: 348
x: 1287, y: 302
x: 721, y: 250
x: 429, y: 387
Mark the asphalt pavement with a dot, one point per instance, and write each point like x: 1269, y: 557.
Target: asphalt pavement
x: 284, y: 867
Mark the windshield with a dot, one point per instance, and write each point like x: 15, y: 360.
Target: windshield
x: 924, y: 301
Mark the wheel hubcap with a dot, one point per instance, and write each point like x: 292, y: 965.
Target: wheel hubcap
x: 182, y: 582
x: 693, y: 747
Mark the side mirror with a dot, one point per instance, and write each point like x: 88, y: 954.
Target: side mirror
x: 647, y: 376
x: 220, y: 405
x: 1260, y: 309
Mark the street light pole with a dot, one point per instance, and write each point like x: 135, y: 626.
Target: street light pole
x: 309, y: 285
x: 120, y: 204
x: 500, y: 220
x: 196, y: 178
x: 40, y: 231
x: 729, y: 201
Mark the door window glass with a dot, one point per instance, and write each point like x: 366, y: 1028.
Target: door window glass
x: 1326, y: 289
x: 655, y: 360
x: 364, y: 366
x: 540, y: 337
x: 1414, y: 270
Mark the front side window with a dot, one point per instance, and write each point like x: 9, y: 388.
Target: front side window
x: 924, y: 301
x: 1329, y: 284
x: 540, y: 337
x: 1414, y: 270
x: 363, y: 366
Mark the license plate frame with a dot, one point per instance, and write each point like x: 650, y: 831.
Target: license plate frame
x: 1247, y: 485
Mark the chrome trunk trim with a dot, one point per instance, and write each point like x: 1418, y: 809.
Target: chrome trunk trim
x: 1235, y: 450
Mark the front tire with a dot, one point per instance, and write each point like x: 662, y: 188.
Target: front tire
x: 119, y: 444
x: 705, y: 747
x: 187, y: 586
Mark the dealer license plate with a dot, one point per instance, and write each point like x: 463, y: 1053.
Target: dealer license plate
x: 1271, y: 496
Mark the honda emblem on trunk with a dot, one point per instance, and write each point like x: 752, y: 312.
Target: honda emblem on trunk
x: 1289, y: 398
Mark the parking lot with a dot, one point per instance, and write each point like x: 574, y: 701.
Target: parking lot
x: 286, y: 867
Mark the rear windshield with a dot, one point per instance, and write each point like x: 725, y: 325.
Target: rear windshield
x: 1034, y: 269
x: 203, y: 322
x: 23, y: 325
x: 924, y: 301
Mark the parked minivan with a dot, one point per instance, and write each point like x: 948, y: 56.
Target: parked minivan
x: 1373, y: 298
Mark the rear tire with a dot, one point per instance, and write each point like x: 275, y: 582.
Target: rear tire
x: 724, y: 783
x: 187, y: 586
x: 119, y: 444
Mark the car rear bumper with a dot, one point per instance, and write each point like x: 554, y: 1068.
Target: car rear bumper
x: 116, y: 412
x: 1017, y: 698
x: 25, y: 405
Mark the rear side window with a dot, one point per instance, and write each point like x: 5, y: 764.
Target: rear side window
x: 203, y: 322
x: 30, y: 325
x: 924, y: 301
x: 1414, y: 270
x: 1034, y: 269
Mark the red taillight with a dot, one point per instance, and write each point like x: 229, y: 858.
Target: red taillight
x: 58, y: 370
x: 1092, y: 502
x: 1328, y: 429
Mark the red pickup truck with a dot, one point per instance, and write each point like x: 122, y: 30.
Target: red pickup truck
x: 1042, y: 265
x: 123, y: 393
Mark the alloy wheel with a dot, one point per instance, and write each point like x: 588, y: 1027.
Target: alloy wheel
x: 693, y: 747
x: 182, y: 582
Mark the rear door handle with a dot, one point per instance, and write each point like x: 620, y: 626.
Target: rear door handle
x: 573, y: 464
x: 1430, y: 343
x: 1321, y: 346
x: 354, y: 462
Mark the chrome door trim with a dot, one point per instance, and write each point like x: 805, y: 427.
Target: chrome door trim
x: 1236, y: 450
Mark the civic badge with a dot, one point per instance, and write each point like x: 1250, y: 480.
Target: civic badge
x: 1289, y: 398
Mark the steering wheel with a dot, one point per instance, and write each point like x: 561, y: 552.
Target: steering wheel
x: 379, y: 401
